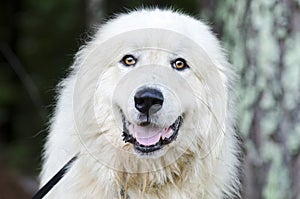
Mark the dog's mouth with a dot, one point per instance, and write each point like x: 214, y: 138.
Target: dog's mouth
x: 150, y: 138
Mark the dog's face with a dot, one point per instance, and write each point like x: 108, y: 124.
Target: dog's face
x: 153, y: 93
x: 153, y: 97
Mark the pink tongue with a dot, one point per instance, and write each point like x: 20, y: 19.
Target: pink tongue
x: 148, y: 135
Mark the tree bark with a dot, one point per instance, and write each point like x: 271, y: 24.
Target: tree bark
x: 263, y: 42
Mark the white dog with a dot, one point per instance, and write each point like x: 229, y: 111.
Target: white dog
x: 147, y: 108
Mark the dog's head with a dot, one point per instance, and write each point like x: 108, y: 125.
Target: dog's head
x: 156, y: 84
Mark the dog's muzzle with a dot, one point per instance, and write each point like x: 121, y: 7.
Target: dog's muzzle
x: 146, y: 136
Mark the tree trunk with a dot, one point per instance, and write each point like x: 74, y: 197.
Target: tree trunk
x: 263, y: 42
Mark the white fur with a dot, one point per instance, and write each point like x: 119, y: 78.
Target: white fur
x: 201, y: 163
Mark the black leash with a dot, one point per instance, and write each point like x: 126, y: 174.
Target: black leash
x: 54, y: 180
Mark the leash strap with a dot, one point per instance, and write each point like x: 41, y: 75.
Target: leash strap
x: 54, y: 180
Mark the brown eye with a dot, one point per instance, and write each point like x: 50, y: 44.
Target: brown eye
x: 128, y: 60
x: 179, y: 64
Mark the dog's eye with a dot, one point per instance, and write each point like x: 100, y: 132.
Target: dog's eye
x: 128, y: 60
x: 179, y: 64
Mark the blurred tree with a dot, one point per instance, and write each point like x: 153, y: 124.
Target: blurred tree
x: 263, y: 41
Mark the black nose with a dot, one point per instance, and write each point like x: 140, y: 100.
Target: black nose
x: 148, y: 100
